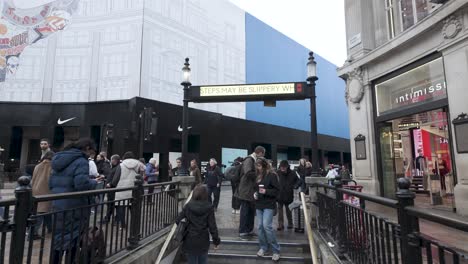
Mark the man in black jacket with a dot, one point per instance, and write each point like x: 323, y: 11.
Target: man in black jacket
x: 112, y: 181
x: 246, y: 194
x: 213, y: 180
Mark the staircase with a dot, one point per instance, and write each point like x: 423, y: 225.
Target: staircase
x: 417, y: 185
x: 233, y: 250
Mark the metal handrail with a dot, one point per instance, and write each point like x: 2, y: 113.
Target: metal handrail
x: 438, y: 217
x: 313, y: 249
x: 368, y: 197
x: 50, y: 197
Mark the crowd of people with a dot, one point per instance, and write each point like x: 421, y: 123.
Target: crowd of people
x: 258, y: 190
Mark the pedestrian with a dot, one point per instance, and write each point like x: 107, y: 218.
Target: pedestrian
x: 45, y: 147
x: 179, y: 170
x: 103, y: 167
x: 199, y: 213
x: 308, y: 170
x: 129, y: 169
x: 245, y: 194
x: 70, y: 173
x: 195, y: 171
x: 266, y: 194
x: 213, y: 179
x: 40, y: 186
x: 331, y: 174
x: 287, y: 182
x: 152, y: 174
x: 345, y: 174
x: 112, y: 181
x: 302, y: 170
x: 233, y: 174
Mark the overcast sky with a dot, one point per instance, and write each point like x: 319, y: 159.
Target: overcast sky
x: 317, y: 25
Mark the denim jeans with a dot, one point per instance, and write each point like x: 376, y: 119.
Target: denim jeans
x: 266, y: 235
x: 213, y: 190
x: 247, y: 217
x: 197, y: 259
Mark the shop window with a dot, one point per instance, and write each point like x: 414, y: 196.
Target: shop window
x: 420, y: 85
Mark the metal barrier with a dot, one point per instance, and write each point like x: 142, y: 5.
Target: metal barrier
x: 87, y: 234
x: 366, y: 237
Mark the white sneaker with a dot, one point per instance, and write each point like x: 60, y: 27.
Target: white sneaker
x: 233, y: 211
x: 276, y: 257
x: 261, y: 253
x: 237, y: 211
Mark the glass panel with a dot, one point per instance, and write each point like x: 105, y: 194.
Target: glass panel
x: 407, y: 14
x: 388, y: 168
x: 422, y: 9
x: 420, y: 85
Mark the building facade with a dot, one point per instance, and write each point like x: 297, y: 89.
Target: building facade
x: 406, y: 76
x: 132, y: 52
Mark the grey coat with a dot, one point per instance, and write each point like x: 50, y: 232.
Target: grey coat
x: 247, y: 182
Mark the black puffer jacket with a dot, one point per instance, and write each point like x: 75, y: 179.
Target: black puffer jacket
x: 287, y: 182
x: 202, y: 222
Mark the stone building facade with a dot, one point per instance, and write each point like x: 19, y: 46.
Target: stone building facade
x: 407, y: 75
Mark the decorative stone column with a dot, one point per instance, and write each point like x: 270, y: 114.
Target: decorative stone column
x: 313, y: 197
x: 185, y: 187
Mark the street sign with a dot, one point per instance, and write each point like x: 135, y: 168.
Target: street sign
x: 250, y: 92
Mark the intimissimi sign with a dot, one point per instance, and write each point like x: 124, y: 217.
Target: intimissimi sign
x: 420, y: 85
x: 421, y: 94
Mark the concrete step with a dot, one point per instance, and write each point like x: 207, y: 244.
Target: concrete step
x: 234, y: 250
x: 224, y: 258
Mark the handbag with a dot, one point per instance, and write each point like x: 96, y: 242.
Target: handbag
x: 181, y: 230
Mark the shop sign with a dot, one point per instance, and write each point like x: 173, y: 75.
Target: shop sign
x: 421, y: 85
x: 421, y: 94
x: 408, y: 126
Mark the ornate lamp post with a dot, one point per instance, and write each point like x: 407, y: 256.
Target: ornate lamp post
x: 311, y: 79
x: 186, y: 84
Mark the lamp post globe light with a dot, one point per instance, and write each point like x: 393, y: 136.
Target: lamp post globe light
x: 186, y: 84
x: 311, y: 79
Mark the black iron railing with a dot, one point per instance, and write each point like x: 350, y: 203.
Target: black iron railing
x: 113, y: 220
x: 362, y: 236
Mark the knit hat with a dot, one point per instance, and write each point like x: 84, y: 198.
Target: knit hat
x: 284, y: 163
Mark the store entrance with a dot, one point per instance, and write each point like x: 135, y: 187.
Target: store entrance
x: 418, y: 147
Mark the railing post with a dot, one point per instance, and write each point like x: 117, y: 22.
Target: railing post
x: 23, y: 207
x: 135, y: 218
x: 410, y: 250
x: 340, y: 216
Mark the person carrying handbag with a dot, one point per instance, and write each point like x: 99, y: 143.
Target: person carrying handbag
x: 201, y: 222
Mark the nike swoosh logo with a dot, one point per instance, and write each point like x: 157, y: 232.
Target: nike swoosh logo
x: 61, y: 122
x: 180, y: 129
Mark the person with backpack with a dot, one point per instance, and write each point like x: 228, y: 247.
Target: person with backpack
x: 246, y: 194
x: 233, y: 174
x: 213, y: 180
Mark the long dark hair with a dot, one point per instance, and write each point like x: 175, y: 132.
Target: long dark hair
x: 266, y: 168
x: 200, y: 193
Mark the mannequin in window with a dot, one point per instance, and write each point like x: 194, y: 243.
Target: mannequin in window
x: 421, y: 165
x: 443, y: 170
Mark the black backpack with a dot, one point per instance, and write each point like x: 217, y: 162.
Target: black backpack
x: 233, y: 173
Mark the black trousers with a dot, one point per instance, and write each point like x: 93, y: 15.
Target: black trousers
x: 213, y: 191
x: 110, y: 206
x: 247, y: 217
x: 235, y: 202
